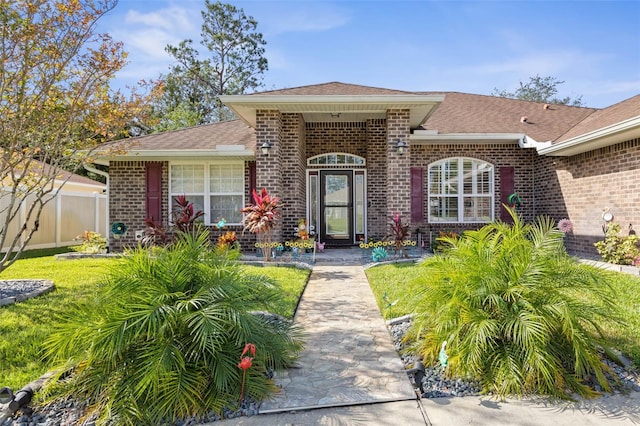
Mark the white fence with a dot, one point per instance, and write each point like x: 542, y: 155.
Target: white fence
x: 64, y: 218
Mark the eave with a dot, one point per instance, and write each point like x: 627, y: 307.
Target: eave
x: 320, y: 108
x: 175, y: 155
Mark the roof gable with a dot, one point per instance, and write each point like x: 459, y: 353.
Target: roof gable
x: 333, y: 88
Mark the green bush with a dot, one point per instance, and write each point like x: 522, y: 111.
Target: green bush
x: 517, y: 313
x: 92, y: 243
x: 618, y: 249
x: 163, y: 338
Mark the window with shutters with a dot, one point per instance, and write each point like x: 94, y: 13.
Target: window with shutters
x: 215, y: 188
x: 461, y: 190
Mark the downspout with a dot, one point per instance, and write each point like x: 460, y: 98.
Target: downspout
x: 92, y: 169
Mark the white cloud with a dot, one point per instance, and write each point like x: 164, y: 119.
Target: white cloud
x: 543, y: 63
x: 287, y: 17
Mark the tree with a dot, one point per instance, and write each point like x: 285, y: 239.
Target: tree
x: 539, y: 89
x: 55, y: 104
x: 516, y: 312
x: 235, y: 65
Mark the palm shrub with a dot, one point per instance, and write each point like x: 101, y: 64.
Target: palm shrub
x: 164, y: 336
x: 517, y: 313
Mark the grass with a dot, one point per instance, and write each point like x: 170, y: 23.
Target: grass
x: 24, y: 326
x: 392, y: 285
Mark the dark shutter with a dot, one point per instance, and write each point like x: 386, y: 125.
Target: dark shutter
x: 154, y: 191
x: 252, y: 176
x: 417, y: 194
x: 507, y: 187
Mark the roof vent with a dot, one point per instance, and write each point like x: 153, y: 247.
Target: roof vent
x: 546, y: 106
x: 523, y: 119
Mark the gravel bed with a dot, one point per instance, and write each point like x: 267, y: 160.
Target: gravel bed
x: 19, y: 290
x: 435, y: 385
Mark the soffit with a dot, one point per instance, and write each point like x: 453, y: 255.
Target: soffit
x: 338, y: 108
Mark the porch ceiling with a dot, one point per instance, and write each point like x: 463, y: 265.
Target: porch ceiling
x: 335, y: 108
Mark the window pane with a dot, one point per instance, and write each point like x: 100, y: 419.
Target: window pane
x: 435, y: 181
x: 450, y: 177
x: 477, y: 209
x: 187, y: 178
x: 359, y: 204
x: 313, y: 194
x: 226, y: 207
x: 226, y: 178
x: 443, y: 209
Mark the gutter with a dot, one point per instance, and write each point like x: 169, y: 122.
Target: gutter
x: 524, y: 141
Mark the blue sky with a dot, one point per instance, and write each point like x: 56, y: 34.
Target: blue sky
x: 462, y: 46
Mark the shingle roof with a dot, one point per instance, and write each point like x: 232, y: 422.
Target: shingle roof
x: 616, y: 113
x: 206, y: 137
x: 467, y: 113
x: 335, y: 88
x: 458, y: 113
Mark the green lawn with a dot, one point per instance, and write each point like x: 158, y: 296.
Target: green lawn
x: 393, y: 283
x: 24, y: 326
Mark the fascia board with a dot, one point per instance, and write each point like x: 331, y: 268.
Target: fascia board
x: 149, y: 155
x: 470, y: 137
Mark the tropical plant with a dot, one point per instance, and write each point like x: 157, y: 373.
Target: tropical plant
x: 92, y: 243
x: 261, y: 217
x: 617, y: 249
x: 398, y: 232
x: 441, y: 243
x: 161, y: 340
x: 517, y: 313
x: 185, y: 219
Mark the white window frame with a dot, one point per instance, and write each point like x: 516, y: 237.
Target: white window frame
x: 461, y: 195
x: 207, y: 187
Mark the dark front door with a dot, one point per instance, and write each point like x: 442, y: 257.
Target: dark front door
x: 336, y: 207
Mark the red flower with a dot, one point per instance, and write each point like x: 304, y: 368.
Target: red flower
x: 245, y: 363
x: 249, y: 347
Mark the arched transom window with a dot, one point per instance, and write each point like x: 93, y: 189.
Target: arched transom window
x: 336, y: 159
x: 461, y: 190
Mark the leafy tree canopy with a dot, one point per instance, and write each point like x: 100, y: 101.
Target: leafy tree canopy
x: 234, y: 65
x: 539, y: 89
x: 55, y: 104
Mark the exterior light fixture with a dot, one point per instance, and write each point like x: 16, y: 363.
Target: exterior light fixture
x: 265, y: 147
x: 401, y: 145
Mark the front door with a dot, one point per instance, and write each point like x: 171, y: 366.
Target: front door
x: 336, y: 207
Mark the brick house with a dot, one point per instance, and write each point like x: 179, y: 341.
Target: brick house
x: 347, y: 157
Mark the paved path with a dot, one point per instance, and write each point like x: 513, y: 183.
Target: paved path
x: 349, y: 357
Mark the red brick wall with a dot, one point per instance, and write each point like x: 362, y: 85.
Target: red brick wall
x: 268, y: 167
x: 581, y: 186
x: 498, y: 155
x: 293, y: 173
x: 377, y: 222
x: 398, y: 185
x: 127, y: 195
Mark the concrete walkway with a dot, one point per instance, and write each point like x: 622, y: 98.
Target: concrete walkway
x: 349, y: 357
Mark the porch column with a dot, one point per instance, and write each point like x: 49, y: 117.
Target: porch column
x: 398, y: 165
x: 269, y: 167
